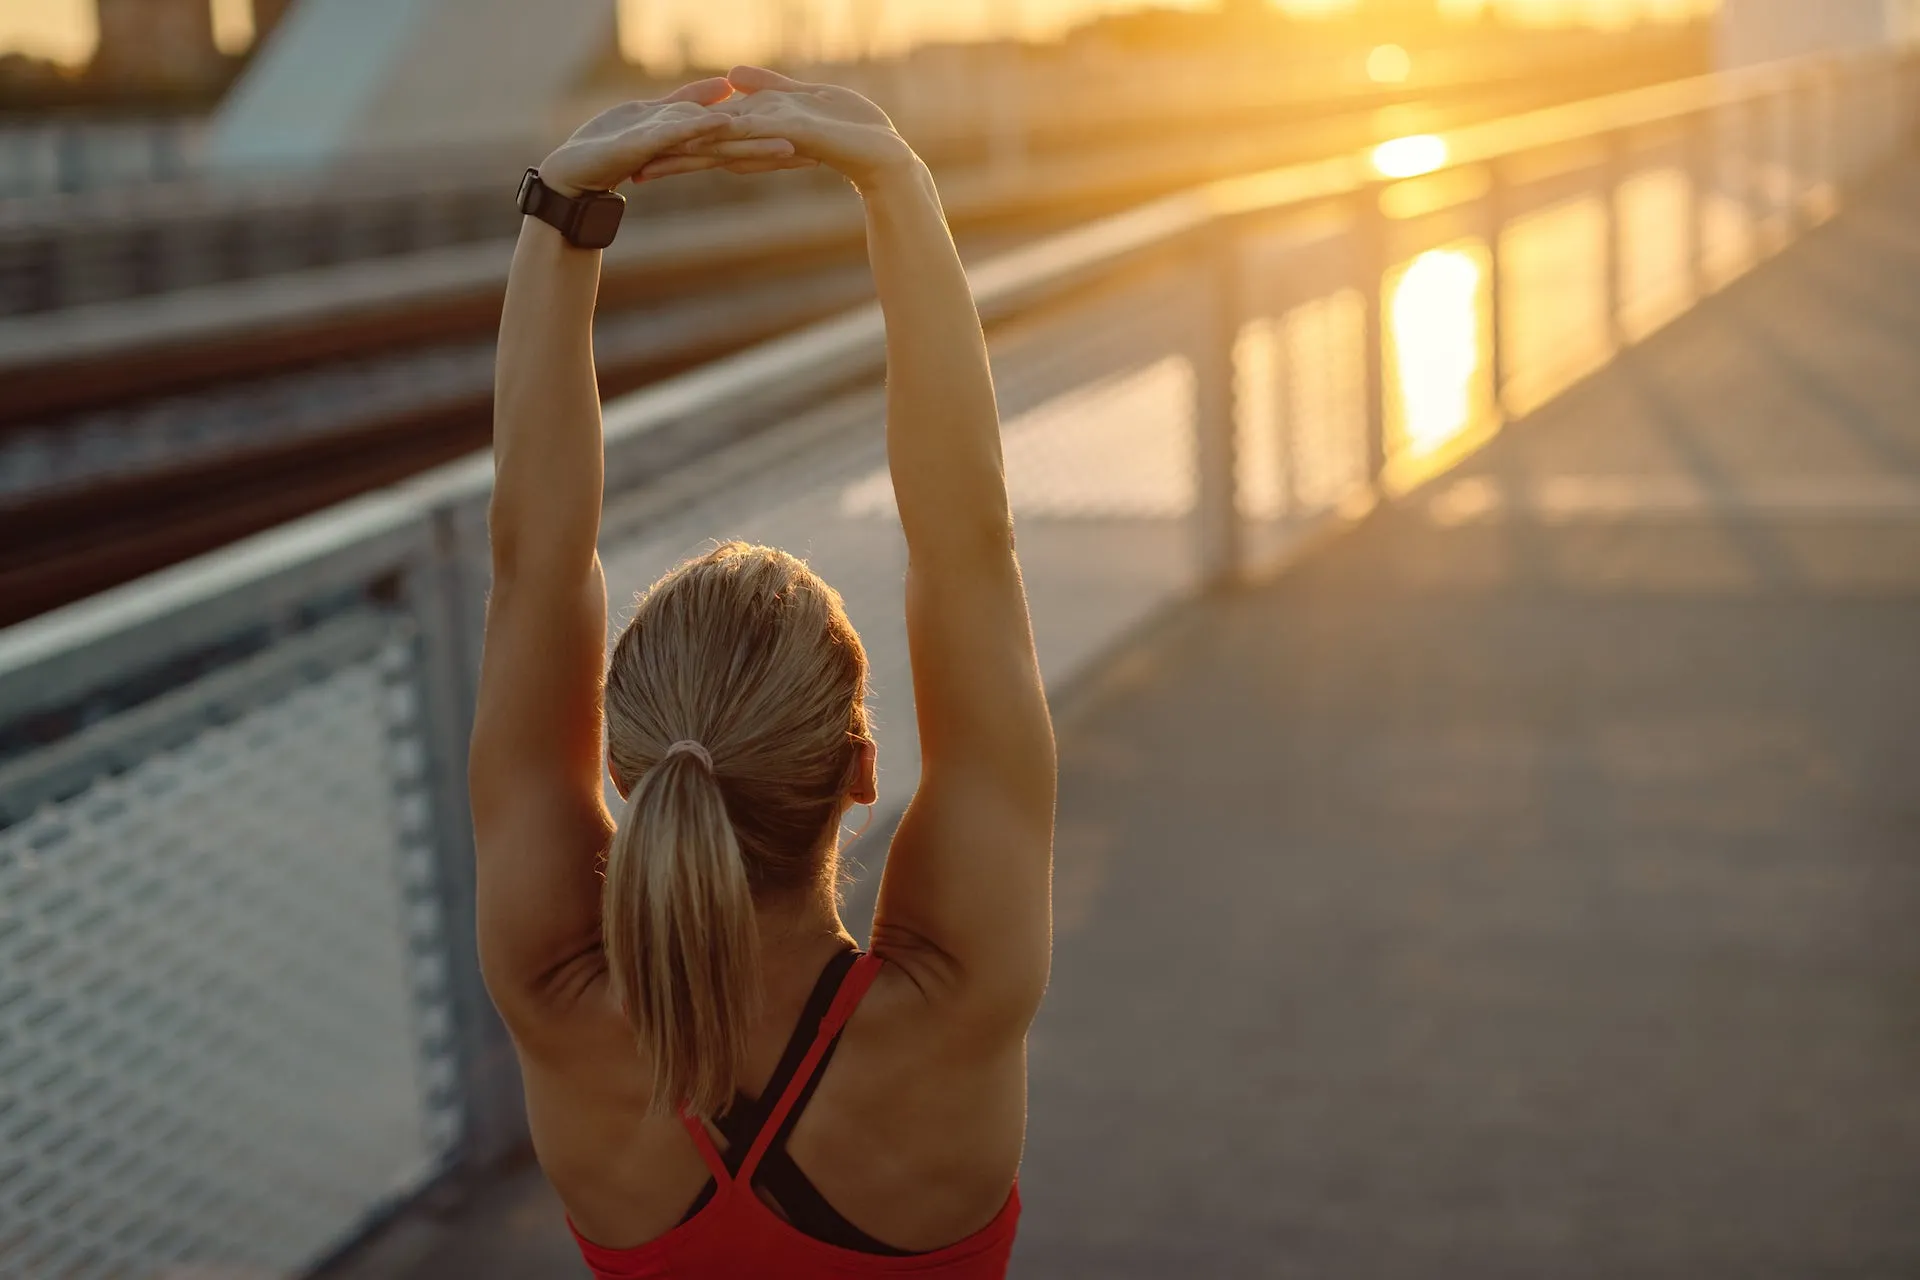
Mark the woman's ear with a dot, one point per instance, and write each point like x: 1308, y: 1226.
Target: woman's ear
x: 618, y: 785
x: 866, y: 775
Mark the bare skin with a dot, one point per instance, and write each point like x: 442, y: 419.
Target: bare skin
x: 916, y: 1129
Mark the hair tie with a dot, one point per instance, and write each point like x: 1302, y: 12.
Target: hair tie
x: 687, y: 746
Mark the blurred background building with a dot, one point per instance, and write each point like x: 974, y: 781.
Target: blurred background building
x: 157, y: 42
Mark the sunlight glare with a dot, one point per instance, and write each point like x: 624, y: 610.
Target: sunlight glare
x: 233, y: 26
x: 1389, y: 64
x: 64, y: 31
x: 1311, y: 9
x: 1410, y: 157
x: 1436, y: 339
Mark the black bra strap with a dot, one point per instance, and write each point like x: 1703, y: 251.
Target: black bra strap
x: 743, y: 1120
x: 741, y: 1123
x: 807, y: 1209
x: 784, y: 1181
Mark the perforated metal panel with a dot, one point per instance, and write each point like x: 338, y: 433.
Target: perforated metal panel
x: 1326, y: 397
x: 223, y: 1036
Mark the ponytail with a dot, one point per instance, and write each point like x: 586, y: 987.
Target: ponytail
x: 681, y: 937
x: 748, y: 651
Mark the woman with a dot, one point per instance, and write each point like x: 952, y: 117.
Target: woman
x: 717, y: 1083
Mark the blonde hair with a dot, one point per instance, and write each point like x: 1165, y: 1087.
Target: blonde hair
x: 748, y: 654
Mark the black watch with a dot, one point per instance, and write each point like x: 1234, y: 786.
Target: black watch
x: 590, y: 221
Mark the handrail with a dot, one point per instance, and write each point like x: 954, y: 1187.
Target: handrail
x: 45, y: 660
x: 791, y: 367
x: 1634, y: 109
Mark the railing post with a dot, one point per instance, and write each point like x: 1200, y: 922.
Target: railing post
x: 1854, y: 124
x: 1703, y: 178
x: 1286, y: 423
x: 1758, y: 190
x: 1797, y: 154
x: 1614, y: 185
x: 1268, y: 304
x: 1370, y: 244
x: 1496, y: 221
x: 1823, y: 178
x: 449, y: 603
x: 1216, y: 408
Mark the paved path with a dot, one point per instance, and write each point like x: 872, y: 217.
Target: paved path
x: 1529, y: 883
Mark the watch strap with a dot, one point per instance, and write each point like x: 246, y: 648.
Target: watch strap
x: 587, y: 221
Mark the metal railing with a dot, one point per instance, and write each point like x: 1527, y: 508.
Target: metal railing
x: 40, y: 158
x: 239, y: 1009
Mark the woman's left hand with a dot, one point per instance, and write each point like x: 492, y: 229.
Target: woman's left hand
x: 619, y: 143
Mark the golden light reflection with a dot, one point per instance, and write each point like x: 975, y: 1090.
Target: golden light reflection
x: 1435, y: 316
x: 1389, y: 64
x: 1410, y: 157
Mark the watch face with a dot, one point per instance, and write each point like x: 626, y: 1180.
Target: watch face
x: 599, y: 223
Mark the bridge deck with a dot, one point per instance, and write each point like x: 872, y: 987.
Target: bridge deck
x: 1526, y: 884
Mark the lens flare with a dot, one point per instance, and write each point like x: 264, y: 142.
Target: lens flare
x: 1389, y: 64
x: 1410, y: 157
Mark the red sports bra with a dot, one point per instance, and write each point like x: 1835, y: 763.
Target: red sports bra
x: 735, y: 1236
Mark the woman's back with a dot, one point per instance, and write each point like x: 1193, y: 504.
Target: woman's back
x: 854, y: 1117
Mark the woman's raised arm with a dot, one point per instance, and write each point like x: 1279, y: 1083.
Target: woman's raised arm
x: 536, y: 759
x: 965, y: 898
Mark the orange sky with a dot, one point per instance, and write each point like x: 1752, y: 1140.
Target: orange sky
x: 64, y: 30
x: 724, y: 29
x: 653, y: 31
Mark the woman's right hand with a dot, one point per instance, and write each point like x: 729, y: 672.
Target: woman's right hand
x: 825, y: 123
x: 622, y: 141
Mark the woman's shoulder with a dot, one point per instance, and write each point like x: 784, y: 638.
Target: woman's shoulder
x: 920, y: 987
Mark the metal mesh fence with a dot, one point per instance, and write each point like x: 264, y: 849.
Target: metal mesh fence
x: 1300, y: 394
x: 222, y: 1031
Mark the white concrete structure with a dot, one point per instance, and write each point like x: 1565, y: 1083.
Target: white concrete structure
x: 353, y: 79
x: 1753, y: 31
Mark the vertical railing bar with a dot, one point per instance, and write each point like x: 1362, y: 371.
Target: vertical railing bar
x: 1267, y: 303
x: 1823, y: 129
x: 1495, y: 205
x: 1702, y: 182
x: 450, y: 601
x: 1797, y: 113
x: 1370, y: 243
x: 1217, y: 408
x: 1759, y: 185
x: 1285, y: 419
x: 1613, y: 187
